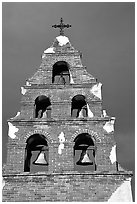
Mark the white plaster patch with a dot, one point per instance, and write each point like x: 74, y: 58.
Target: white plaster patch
x: 12, y: 130
x: 23, y: 90
x: 60, y: 148
x: 81, y: 114
x: 49, y: 50
x: 18, y: 113
x: 71, y: 79
x: 45, y: 114
x: 113, y: 154
x: 96, y: 90
x: 90, y: 114
x: 123, y: 193
x: 41, y: 127
x: 27, y: 83
x: 63, y: 40
x: 61, y: 141
x: 104, y: 113
x: 109, y: 126
x: 43, y: 56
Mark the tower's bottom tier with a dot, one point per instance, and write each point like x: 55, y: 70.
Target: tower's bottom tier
x: 67, y: 186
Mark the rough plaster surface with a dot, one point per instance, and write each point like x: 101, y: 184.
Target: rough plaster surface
x: 90, y: 114
x: 109, y: 126
x: 43, y: 55
x: 71, y: 79
x: 49, y: 50
x: 104, y: 113
x: 23, y: 90
x: 96, y: 90
x: 61, y: 141
x: 27, y: 83
x: 113, y: 154
x: 123, y: 193
x: 63, y: 40
x: 45, y: 114
x: 18, y: 113
x: 81, y: 114
x: 12, y: 130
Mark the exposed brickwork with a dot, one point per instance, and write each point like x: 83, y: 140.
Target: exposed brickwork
x: 61, y: 187
x: 104, y: 143
x: 53, y: 185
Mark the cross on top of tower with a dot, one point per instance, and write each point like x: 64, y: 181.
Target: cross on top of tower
x: 61, y: 26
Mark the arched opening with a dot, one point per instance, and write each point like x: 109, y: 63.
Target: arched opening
x: 84, y: 153
x: 42, y: 107
x: 60, y: 73
x: 36, y: 154
x: 79, y: 107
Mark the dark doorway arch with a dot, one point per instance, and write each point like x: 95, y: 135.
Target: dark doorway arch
x: 42, y: 104
x: 79, y: 106
x: 35, y: 142
x: 60, y: 73
x: 84, y: 153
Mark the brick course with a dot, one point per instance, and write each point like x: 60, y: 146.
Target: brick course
x: 70, y: 187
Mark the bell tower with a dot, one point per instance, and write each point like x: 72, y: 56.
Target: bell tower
x: 61, y: 144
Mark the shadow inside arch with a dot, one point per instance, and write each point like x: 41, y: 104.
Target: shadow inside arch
x: 41, y: 132
x: 94, y: 135
x: 36, y: 153
x: 84, y: 152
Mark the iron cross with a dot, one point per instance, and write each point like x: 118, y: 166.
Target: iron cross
x: 61, y: 26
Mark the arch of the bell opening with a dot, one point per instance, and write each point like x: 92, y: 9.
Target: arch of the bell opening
x: 93, y: 134
x: 79, y: 106
x: 42, y: 107
x: 41, y: 132
x: 36, y: 142
x: 79, y: 92
x: 84, y: 150
x: 61, y: 72
x: 83, y: 138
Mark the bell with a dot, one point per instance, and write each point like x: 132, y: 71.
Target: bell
x: 41, y: 159
x: 61, y: 80
x: 84, y: 159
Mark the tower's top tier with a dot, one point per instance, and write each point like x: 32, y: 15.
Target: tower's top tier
x: 61, y: 44
x: 61, y: 64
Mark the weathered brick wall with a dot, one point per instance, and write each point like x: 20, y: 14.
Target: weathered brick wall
x: 70, y: 186
x: 51, y: 130
x: 61, y: 101
x: 78, y: 71
x: 73, y: 186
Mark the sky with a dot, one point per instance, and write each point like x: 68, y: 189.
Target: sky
x: 105, y: 34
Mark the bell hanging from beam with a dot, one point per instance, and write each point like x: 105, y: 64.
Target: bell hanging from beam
x: 41, y: 159
x: 84, y: 159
